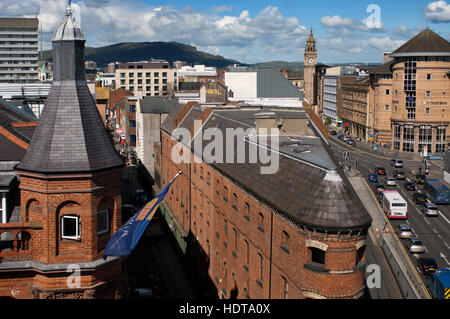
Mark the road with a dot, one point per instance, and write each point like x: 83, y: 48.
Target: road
x: 433, y: 231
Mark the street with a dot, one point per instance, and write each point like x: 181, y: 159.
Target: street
x: 433, y: 231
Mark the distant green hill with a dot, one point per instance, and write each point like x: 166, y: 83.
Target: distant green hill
x: 143, y: 51
x: 282, y: 65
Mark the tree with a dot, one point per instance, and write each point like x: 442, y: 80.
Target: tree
x: 327, y: 121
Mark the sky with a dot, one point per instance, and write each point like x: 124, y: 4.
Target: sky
x: 250, y: 31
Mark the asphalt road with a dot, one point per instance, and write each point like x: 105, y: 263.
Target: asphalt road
x: 433, y: 231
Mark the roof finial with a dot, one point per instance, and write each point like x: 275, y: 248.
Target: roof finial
x: 69, y: 8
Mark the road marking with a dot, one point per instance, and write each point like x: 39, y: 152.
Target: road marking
x: 445, y: 243
x: 444, y: 217
x: 427, y: 221
x: 434, y: 230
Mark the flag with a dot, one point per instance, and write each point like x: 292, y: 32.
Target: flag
x: 126, y: 238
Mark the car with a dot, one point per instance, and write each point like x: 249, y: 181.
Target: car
x: 390, y: 181
x: 380, y: 171
x: 409, y: 186
x: 404, y: 231
x: 399, y: 175
x: 345, y: 138
x: 419, y: 198
x: 333, y: 133
x: 429, y: 210
x: 427, y: 265
x: 350, y: 142
x: 415, y: 245
x: 379, y: 188
x: 396, y: 163
x: 373, y: 177
x: 420, y: 178
x: 341, y: 137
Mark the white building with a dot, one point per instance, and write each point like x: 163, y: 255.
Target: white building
x: 19, y: 50
x: 196, y: 70
x: 261, y: 86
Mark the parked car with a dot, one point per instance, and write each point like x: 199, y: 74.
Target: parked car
x: 333, y: 133
x: 396, y: 163
x: 379, y: 188
x: 427, y: 265
x: 419, y: 198
x: 399, y: 175
x: 373, y: 177
x: 409, y: 186
x: 380, y: 171
x: 420, y: 178
x: 341, y: 137
x: 429, y: 210
x: 350, y: 142
x: 415, y: 245
x: 390, y: 181
x: 404, y: 231
x: 346, y: 138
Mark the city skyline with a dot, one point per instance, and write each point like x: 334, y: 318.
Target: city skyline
x: 249, y: 32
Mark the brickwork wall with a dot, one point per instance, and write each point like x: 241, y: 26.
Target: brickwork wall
x: 245, y: 240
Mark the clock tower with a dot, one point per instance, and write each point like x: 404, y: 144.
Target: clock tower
x: 309, y: 65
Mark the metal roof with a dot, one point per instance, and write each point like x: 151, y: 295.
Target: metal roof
x: 158, y: 104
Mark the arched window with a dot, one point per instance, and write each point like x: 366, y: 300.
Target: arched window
x: 261, y: 222
x: 234, y: 203
x: 225, y: 194
x: 247, y: 211
x: 284, y: 288
x: 285, y: 241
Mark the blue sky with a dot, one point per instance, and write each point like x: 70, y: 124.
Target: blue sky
x: 249, y: 31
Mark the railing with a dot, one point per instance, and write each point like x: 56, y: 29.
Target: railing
x: 15, y: 241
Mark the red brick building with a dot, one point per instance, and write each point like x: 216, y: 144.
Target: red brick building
x: 298, y: 233
x: 69, y: 192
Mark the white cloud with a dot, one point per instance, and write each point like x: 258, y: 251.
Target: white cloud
x: 385, y: 43
x: 403, y: 31
x: 438, y: 12
x: 346, y: 26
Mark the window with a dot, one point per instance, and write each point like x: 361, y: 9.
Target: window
x: 247, y: 211
x: 247, y: 254
x: 408, y: 138
x: 201, y: 172
x: 70, y: 227
x: 234, y: 204
x: 131, y: 74
x: 428, y: 76
x: 148, y: 74
x: 386, y: 107
x: 428, y: 94
x: 208, y: 178
x: 285, y: 241
x: 164, y: 74
x: 284, y: 288
x: 133, y: 139
x: 156, y: 74
x: 427, y: 110
x: 132, y: 123
x: 261, y: 270
x: 225, y: 194
x: 102, y: 222
x: 317, y: 255
x: 156, y: 81
x: 217, y: 187
x: 235, y: 247
x: 261, y: 222
x: 156, y: 88
x: 225, y: 226
x: 122, y: 75
x: 388, y: 92
x: 139, y: 75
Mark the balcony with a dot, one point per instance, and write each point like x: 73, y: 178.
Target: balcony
x: 15, y: 241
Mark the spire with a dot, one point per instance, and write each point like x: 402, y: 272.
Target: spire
x: 311, y: 43
x: 71, y: 136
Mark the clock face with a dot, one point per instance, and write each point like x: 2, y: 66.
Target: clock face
x: 311, y: 60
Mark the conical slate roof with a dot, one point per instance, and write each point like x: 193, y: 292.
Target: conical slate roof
x: 426, y: 43
x: 71, y: 136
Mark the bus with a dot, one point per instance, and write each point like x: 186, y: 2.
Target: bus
x: 436, y: 192
x: 394, y: 205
